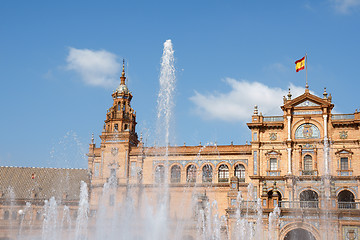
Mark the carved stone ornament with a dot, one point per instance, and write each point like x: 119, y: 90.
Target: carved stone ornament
x: 343, y: 135
x: 273, y: 136
x: 114, y: 151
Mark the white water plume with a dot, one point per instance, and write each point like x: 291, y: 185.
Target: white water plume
x: 166, y: 93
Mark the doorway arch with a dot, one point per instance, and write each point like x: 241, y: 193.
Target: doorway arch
x: 299, y: 234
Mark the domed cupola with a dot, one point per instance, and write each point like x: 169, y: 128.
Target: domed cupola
x: 122, y: 88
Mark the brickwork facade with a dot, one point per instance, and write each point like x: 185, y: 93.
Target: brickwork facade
x: 306, y: 162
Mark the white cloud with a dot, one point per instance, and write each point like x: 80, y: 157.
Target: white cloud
x: 238, y: 104
x: 345, y: 6
x: 278, y: 67
x: 96, y: 68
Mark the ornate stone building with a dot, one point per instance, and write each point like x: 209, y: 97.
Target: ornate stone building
x: 304, y: 162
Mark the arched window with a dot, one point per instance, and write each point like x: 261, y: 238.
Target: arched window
x: 175, y: 174
x: 207, y: 173
x: 223, y: 173
x: 240, y: 172
x: 159, y: 174
x: 308, y: 165
x: 191, y: 173
x: 346, y: 199
x: 309, y: 199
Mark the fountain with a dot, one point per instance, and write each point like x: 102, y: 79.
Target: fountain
x: 211, y: 205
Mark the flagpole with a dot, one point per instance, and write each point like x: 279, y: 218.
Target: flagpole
x: 307, y: 86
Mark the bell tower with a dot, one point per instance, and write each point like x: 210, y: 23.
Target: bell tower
x: 117, y: 138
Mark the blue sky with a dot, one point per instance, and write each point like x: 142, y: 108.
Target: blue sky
x: 60, y: 62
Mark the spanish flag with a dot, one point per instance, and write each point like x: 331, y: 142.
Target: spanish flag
x: 300, y: 64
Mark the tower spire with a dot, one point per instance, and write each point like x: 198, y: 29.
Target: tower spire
x: 122, y: 78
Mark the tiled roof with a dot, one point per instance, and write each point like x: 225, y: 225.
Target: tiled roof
x: 26, y: 183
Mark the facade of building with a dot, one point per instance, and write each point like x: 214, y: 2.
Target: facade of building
x: 304, y: 162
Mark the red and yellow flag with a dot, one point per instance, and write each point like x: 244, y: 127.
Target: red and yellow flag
x: 300, y: 64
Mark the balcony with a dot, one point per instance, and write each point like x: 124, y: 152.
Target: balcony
x: 344, y: 172
x: 223, y: 179
x: 273, y: 172
x: 299, y: 204
x: 349, y: 205
x: 342, y: 116
x: 273, y: 119
x: 308, y: 173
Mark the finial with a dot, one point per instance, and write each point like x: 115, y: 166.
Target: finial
x: 289, y: 95
x: 255, y: 110
x: 264, y: 190
x: 141, y: 137
x: 325, y: 93
x: 123, y: 74
x: 275, y: 191
x: 92, y: 138
x: 123, y: 70
x: 306, y: 87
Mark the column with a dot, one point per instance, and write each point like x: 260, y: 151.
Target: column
x: 289, y: 160
x: 325, y: 126
x: 289, y: 127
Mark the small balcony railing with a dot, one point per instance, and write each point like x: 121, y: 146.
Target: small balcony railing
x: 308, y: 173
x: 299, y: 204
x: 273, y: 172
x: 348, y: 205
x: 342, y: 116
x: 273, y: 119
x: 223, y: 179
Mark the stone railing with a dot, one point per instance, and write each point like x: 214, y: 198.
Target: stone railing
x: 349, y: 205
x: 309, y: 173
x: 273, y: 119
x: 342, y: 116
x: 299, y: 204
x: 273, y: 172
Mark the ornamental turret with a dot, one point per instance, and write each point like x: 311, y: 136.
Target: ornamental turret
x: 120, y: 118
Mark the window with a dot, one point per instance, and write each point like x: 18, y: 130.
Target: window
x: 112, y: 200
x: 240, y: 172
x: 133, y: 169
x: 116, y: 127
x: 6, y: 215
x: 255, y: 162
x: 97, y: 169
x: 113, y: 173
x: 159, y: 174
x: 175, y: 174
x: 38, y: 216
x: 14, y: 215
x: 207, y: 173
x: 308, y: 163
x: 344, y: 163
x: 223, y: 173
x: 191, y: 173
x: 273, y: 164
x: 255, y: 136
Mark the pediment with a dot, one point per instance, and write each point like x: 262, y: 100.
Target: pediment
x: 273, y: 152
x: 344, y: 151
x: 307, y: 103
x: 307, y: 100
